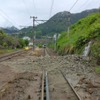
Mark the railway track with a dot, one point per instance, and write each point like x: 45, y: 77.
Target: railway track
x: 41, y: 86
x: 58, y: 87
x: 62, y: 91
x: 45, y: 87
x: 49, y: 52
x: 25, y: 86
x: 11, y: 55
x: 70, y: 85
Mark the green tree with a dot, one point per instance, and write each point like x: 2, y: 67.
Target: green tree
x: 26, y: 42
x: 21, y: 43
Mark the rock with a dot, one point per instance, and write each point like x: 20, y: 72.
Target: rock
x: 90, y: 90
x: 81, y: 80
x: 90, y: 85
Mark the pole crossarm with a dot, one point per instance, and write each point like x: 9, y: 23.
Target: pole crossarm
x: 42, y: 20
x: 34, y: 20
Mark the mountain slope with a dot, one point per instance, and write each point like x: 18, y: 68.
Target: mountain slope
x: 10, y: 30
x: 56, y: 24
x: 85, y: 30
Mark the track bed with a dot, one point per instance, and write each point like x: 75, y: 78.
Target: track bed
x: 60, y: 89
x: 25, y: 86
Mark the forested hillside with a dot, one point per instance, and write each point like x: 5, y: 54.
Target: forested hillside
x: 85, y: 30
x: 10, y: 30
x: 9, y: 42
x: 56, y: 24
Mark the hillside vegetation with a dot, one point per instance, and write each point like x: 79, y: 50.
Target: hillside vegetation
x: 9, y: 42
x: 56, y: 24
x: 85, y: 30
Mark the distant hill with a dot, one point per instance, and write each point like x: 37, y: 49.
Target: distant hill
x: 10, y: 30
x: 57, y: 24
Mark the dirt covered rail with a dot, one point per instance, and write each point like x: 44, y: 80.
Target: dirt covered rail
x: 45, y: 87
x: 11, y: 55
x: 57, y: 86
x: 70, y: 85
x: 25, y: 86
x: 49, y: 52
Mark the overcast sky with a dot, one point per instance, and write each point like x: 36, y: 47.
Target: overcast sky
x: 18, y: 12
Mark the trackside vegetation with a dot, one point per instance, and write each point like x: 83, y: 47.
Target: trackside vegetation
x: 85, y: 30
x: 9, y: 42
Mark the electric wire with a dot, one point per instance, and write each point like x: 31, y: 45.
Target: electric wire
x: 5, y: 16
x: 26, y: 7
x: 69, y: 17
x: 34, y: 6
x: 51, y: 8
x: 86, y: 4
x: 38, y: 22
x: 99, y: 3
x: 73, y: 5
x: 82, y: 4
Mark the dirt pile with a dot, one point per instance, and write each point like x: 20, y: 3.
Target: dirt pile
x: 23, y: 87
x: 37, y: 52
x: 79, y: 70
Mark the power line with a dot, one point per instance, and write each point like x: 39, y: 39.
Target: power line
x: 99, y: 3
x: 69, y: 18
x: 26, y: 7
x: 34, y: 7
x: 8, y: 18
x: 73, y: 5
x: 51, y: 8
x: 85, y: 4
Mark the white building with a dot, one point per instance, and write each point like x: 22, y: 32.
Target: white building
x: 26, y: 38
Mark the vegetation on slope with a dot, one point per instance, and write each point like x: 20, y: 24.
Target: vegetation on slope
x: 85, y: 30
x: 56, y: 24
x: 9, y: 42
x: 98, y: 69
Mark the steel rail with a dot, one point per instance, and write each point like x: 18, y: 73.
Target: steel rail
x: 8, y: 56
x: 47, y: 87
x: 71, y: 86
x: 42, y: 91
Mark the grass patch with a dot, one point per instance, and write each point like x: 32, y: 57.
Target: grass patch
x: 98, y: 69
x: 5, y: 51
x: 85, y: 30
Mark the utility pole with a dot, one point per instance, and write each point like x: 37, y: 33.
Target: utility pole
x: 34, y: 19
x: 99, y: 9
x: 68, y: 24
x: 55, y: 41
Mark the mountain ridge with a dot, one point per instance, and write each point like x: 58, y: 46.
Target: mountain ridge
x: 56, y: 24
x: 10, y: 30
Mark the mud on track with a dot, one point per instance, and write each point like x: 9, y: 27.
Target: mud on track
x: 25, y: 86
x: 79, y: 70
